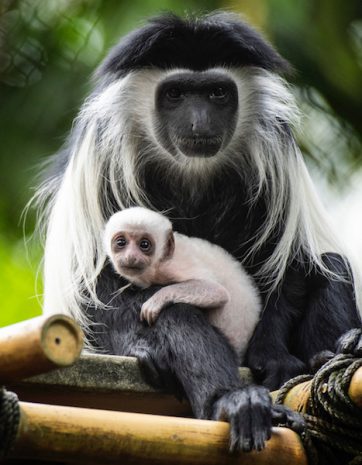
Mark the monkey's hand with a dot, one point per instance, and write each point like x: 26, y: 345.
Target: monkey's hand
x: 348, y: 343
x: 351, y: 343
x: 249, y: 412
x: 251, y: 416
x: 152, y: 308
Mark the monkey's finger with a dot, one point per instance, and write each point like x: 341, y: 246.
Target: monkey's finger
x: 154, y: 316
x: 149, y: 317
x: 260, y: 419
x: 144, y: 315
x: 234, y: 433
x: 223, y: 411
x: 245, y: 439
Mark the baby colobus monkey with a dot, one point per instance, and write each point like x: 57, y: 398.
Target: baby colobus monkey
x: 144, y: 249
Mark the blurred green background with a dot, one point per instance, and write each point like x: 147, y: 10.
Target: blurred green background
x: 49, y: 49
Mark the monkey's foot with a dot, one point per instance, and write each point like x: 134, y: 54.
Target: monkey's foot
x: 283, y: 416
x: 319, y: 359
x: 249, y: 412
x: 276, y: 372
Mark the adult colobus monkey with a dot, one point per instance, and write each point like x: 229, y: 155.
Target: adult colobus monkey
x: 191, y: 118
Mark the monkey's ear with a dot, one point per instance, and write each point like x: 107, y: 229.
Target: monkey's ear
x: 169, y: 246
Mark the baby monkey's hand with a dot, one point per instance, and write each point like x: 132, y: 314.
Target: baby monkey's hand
x: 151, y: 309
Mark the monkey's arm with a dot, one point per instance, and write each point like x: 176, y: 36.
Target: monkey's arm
x: 201, y: 293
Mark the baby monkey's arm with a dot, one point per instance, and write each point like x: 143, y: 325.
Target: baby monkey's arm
x: 201, y: 293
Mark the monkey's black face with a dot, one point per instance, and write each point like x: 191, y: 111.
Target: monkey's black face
x: 196, y: 113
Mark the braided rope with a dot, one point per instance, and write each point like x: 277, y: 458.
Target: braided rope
x: 332, y: 417
x: 9, y: 420
x: 283, y: 391
x: 334, y: 423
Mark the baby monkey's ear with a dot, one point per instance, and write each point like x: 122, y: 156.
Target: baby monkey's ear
x: 169, y: 245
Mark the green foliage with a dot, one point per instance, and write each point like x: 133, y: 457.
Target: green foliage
x: 18, y: 292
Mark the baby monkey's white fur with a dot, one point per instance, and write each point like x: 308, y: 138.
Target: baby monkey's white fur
x: 197, y: 273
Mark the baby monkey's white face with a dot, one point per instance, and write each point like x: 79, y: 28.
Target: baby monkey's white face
x: 132, y: 253
x: 138, y: 242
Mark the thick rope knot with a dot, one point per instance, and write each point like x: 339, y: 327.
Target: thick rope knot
x: 334, y: 422
x: 332, y: 418
x: 9, y: 420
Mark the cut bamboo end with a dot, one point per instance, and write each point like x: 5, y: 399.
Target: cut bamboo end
x: 62, y: 340
x: 38, y: 345
x: 69, y: 434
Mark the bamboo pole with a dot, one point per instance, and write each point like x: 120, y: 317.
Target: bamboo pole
x: 38, y: 345
x: 70, y: 434
x: 355, y: 388
x: 298, y: 397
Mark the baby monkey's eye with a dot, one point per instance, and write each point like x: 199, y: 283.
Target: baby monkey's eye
x: 145, y: 245
x: 121, y: 241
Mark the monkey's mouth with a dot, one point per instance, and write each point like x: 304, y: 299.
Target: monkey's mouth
x: 132, y: 269
x: 199, y: 146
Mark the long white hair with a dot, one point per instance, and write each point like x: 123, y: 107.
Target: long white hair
x: 114, y: 137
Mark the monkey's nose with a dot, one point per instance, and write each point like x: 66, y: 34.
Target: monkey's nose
x: 200, y: 129
x: 131, y: 261
x: 200, y: 123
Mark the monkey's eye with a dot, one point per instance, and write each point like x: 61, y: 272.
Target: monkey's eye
x: 145, y: 245
x: 121, y: 242
x: 218, y: 93
x: 174, y: 93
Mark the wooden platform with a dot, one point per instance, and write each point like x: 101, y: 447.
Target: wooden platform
x: 100, y: 410
x: 120, y: 431
x: 104, y: 382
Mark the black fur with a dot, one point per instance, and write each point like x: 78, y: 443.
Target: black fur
x: 309, y: 314
x: 182, y: 351
x: 169, y: 41
x: 186, y: 355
